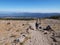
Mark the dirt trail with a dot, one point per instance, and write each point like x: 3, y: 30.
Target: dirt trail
x: 37, y: 38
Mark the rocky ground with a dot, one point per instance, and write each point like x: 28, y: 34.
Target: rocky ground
x: 24, y: 32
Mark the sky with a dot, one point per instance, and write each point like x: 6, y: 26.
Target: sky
x: 39, y: 6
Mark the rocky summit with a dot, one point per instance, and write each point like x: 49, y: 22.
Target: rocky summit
x: 30, y: 32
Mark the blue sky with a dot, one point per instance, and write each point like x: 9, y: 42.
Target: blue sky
x: 42, y: 6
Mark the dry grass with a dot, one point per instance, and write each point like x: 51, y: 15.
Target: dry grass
x: 14, y: 28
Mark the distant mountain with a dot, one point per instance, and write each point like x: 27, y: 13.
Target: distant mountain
x: 38, y: 15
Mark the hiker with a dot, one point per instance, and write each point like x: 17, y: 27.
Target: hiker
x: 36, y: 25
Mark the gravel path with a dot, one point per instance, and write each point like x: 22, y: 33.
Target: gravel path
x: 37, y: 38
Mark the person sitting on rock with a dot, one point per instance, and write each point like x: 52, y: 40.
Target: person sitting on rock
x: 48, y: 28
